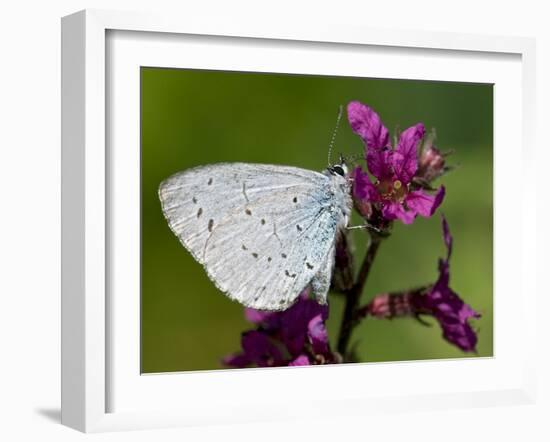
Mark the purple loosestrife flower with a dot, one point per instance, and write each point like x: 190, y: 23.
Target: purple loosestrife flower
x: 296, y: 336
x: 446, y: 306
x: 438, y: 300
x: 393, y: 191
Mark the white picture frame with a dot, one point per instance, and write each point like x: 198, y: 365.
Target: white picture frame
x: 93, y: 366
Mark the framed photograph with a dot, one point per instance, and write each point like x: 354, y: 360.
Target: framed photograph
x: 253, y: 209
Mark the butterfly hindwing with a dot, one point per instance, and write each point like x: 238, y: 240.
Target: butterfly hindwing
x: 266, y: 265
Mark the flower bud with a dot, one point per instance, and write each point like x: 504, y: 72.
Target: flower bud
x: 363, y: 207
x: 389, y: 306
x: 431, y: 163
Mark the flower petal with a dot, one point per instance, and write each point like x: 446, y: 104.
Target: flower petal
x: 461, y: 334
x: 259, y: 349
x: 267, y: 320
x: 442, y: 282
x: 367, y: 124
x: 451, y: 312
x: 256, y: 316
x: 466, y: 312
x: 379, y: 162
x: 300, y: 360
x: 423, y: 203
x: 404, y: 159
x: 318, y: 335
x: 363, y: 189
x: 393, y: 210
x: 295, y: 320
x: 237, y: 360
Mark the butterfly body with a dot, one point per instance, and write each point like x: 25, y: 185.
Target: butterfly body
x: 262, y: 232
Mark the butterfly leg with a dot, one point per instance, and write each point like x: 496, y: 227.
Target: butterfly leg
x: 320, y: 283
x: 366, y: 226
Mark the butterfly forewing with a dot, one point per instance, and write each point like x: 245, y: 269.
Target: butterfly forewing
x: 261, y: 231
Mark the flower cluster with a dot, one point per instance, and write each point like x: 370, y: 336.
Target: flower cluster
x: 296, y: 336
x: 397, y: 185
x: 438, y: 300
x: 394, y: 194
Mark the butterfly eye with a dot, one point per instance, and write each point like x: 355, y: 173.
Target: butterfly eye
x: 338, y: 169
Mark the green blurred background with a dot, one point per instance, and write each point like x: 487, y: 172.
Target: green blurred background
x: 191, y: 117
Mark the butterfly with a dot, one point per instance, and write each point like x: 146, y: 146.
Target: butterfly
x: 262, y: 232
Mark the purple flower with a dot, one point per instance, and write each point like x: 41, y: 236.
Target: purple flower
x: 445, y: 305
x: 392, y: 192
x: 296, y: 336
x: 258, y: 350
x: 438, y: 300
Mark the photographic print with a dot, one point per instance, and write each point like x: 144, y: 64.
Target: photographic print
x: 299, y: 220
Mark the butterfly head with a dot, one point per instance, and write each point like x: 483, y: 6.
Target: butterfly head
x: 341, y: 184
x: 339, y: 168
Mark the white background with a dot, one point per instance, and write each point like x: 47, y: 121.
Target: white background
x: 30, y: 218
x: 203, y: 391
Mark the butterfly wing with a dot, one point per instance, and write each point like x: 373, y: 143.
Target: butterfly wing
x: 262, y: 232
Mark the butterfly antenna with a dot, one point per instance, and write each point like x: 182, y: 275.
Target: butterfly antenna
x: 333, y: 138
x: 353, y: 158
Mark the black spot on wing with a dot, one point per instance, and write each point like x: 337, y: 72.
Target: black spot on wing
x: 290, y: 275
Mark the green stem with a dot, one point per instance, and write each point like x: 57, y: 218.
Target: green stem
x: 354, y: 294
